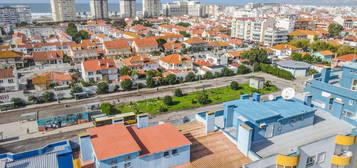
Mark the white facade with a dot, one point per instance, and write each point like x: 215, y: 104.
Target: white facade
x: 8, y: 15
x: 286, y: 23
x: 63, y: 10
x: 275, y: 36
x: 24, y: 13
x: 127, y: 8
x: 151, y: 8
x: 9, y: 83
x: 99, y: 9
x: 185, y: 7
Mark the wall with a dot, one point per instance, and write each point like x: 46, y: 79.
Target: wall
x: 289, y: 124
x: 348, y: 75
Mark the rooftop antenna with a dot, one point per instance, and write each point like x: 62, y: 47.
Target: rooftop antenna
x: 288, y: 93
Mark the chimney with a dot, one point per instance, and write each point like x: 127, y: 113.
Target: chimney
x: 210, y: 122
x: 142, y: 120
x: 256, y: 97
x: 244, y: 97
x: 325, y: 75
x: 307, y: 99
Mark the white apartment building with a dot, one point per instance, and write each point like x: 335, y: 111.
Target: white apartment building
x: 151, y: 8
x: 24, y: 13
x: 184, y: 7
x: 99, y: 69
x: 286, y: 23
x: 8, y: 15
x: 127, y: 8
x: 274, y: 36
x: 63, y: 10
x: 8, y: 80
x: 99, y: 9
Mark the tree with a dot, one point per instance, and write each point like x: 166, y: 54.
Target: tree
x: 150, y: 82
x: 303, y: 44
x: 102, y: 88
x: 33, y: 99
x: 71, y: 29
x: 168, y: 100
x: 256, y: 54
x: 119, y: 24
x: 208, y: 75
x: 335, y: 29
x: 242, y: 70
x: 183, y: 24
x: 227, y: 72
x: 66, y: 58
x: 312, y: 72
x: 76, y: 89
x: 18, y: 102
x: 126, y: 84
x: 161, y: 42
x: 234, y: 85
x: 256, y: 67
x: 185, y: 34
x: 171, y: 79
x: 48, y: 96
x: 202, y: 98
x: 190, y: 77
x: 107, y: 109
x: 178, y: 93
x: 125, y: 71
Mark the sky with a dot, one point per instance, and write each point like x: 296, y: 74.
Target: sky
x: 324, y: 2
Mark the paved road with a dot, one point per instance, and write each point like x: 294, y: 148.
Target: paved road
x: 53, y: 109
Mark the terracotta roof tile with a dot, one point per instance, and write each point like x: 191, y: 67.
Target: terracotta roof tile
x: 49, y: 77
x: 175, y: 59
x: 47, y: 55
x: 117, y: 44
x: 6, y: 73
x: 96, y: 65
x: 346, y: 58
x: 195, y: 40
x: 146, y: 42
x: 9, y: 54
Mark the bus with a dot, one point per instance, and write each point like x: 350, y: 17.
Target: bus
x: 126, y: 119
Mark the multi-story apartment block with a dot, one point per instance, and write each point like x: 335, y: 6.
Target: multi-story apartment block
x: 127, y: 8
x: 274, y: 36
x: 8, y: 80
x: 63, y: 10
x: 185, y: 7
x: 346, y: 21
x: 99, y: 9
x: 8, y: 15
x: 99, y: 69
x: 333, y: 89
x: 151, y: 8
x: 24, y: 13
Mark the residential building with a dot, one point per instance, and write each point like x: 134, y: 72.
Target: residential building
x: 305, y: 24
x: 297, y: 68
x: 345, y: 21
x: 274, y: 36
x: 184, y: 7
x: 9, y: 80
x: 141, y: 63
x: 287, y: 23
x: 10, y: 58
x: 116, y: 48
x: 325, y: 55
x: 217, y: 59
x: 99, y: 69
x: 99, y: 9
x: 127, y: 8
x: 335, y: 91
x: 343, y: 59
x: 145, y: 45
x: 48, y: 57
x: 151, y: 8
x: 56, y: 155
x: 24, y: 13
x: 176, y: 62
x: 253, y: 29
x: 172, y: 46
x: 83, y: 51
x: 8, y: 15
x: 196, y: 43
x: 304, y: 35
x: 117, y: 145
x: 285, y: 50
x: 63, y: 10
x: 48, y: 80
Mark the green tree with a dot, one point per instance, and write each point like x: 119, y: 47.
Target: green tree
x: 124, y: 71
x: 303, y: 44
x: 18, y: 102
x: 227, y: 72
x: 102, y: 88
x: 242, y: 69
x: 312, y: 72
x: 208, y: 75
x: 150, y: 82
x: 168, y: 100
x: 234, y: 85
x: 48, y: 96
x: 256, y: 67
x: 202, y: 98
x: 190, y: 77
x: 343, y: 50
x: 71, y: 29
x: 76, y: 89
x: 256, y: 55
x: 66, y: 58
x: 171, y: 79
x: 335, y: 29
x: 127, y: 84
x: 107, y: 109
x: 119, y: 24
x: 185, y: 34
x: 161, y: 42
x: 178, y: 92
x: 183, y: 24
x: 33, y: 99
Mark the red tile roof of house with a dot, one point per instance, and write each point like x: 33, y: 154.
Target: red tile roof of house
x: 171, y: 45
x: 121, y: 78
x: 6, y: 73
x: 346, y: 58
x: 49, y: 77
x: 146, y: 42
x: 327, y: 52
x: 158, y: 138
x: 175, y: 59
x: 47, y: 55
x: 235, y: 54
x: 117, y: 44
x: 137, y: 61
x: 195, y: 40
x: 112, y: 140
x: 9, y: 54
x: 96, y: 65
x: 203, y: 63
x: 285, y: 47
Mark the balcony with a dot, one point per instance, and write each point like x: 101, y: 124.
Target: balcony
x: 342, y: 159
x: 345, y: 140
x: 283, y: 160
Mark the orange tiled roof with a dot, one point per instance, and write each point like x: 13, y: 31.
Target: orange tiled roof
x: 175, y: 59
x: 98, y: 64
x: 9, y: 54
x: 146, y: 42
x: 284, y: 47
x: 303, y: 33
x: 117, y: 44
x: 171, y: 45
x: 124, y: 77
x: 236, y: 41
x: 47, y: 55
x: 346, y: 58
x: 137, y: 61
x: 195, y: 40
x: 218, y: 44
x: 203, y: 63
x: 326, y: 52
x: 235, y: 54
x: 49, y: 77
x: 6, y: 73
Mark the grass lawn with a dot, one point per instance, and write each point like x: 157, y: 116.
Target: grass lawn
x: 217, y: 95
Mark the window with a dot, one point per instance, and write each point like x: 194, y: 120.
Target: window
x: 310, y: 161
x: 347, y: 114
x: 166, y: 154
x: 174, y: 152
x: 114, y: 166
x: 354, y: 85
x: 1, y: 81
x: 127, y: 157
x: 351, y: 102
x: 321, y: 157
x: 127, y: 165
x: 10, y: 81
x: 114, y: 161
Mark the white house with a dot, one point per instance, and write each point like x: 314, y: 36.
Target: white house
x: 8, y: 80
x: 99, y: 69
x: 176, y: 62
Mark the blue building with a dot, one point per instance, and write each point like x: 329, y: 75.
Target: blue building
x: 121, y: 146
x: 335, y: 91
x: 56, y: 155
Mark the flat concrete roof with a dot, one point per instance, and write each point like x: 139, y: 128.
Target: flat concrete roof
x: 325, y: 125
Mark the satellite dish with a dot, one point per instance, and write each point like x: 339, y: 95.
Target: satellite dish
x: 288, y: 93
x: 271, y: 97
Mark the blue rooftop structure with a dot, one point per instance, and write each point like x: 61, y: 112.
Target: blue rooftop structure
x: 335, y: 91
